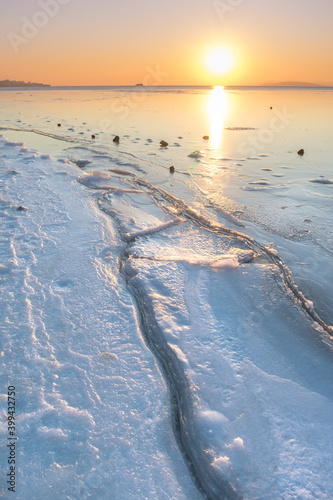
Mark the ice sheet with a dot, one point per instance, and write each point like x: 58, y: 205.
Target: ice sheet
x: 226, y: 261
x: 247, y: 358
x: 92, y: 411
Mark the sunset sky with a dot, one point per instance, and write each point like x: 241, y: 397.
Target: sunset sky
x: 108, y: 42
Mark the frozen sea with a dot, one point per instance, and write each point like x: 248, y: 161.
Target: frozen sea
x: 168, y: 334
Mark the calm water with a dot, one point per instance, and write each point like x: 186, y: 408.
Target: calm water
x: 298, y: 118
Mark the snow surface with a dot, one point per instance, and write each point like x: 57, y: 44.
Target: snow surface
x: 154, y: 320
x: 92, y: 409
x: 260, y: 379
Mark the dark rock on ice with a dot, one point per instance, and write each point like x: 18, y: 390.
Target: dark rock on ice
x: 116, y: 139
x: 300, y: 152
x: 93, y: 136
x: 206, y: 137
x: 260, y: 183
x: 82, y: 163
x: 163, y: 144
x: 21, y: 208
x: 59, y: 124
x: 322, y: 180
x: 172, y: 169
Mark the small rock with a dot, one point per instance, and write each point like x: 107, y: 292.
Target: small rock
x: 300, y: 152
x: 172, y: 169
x: 163, y: 144
x: 116, y: 139
x: 21, y: 209
x: 93, y: 136
x: 322, y: 180
x: 59, y: 124
x: 82, y: 163
x: 206, y: 137
x: 271, y: 107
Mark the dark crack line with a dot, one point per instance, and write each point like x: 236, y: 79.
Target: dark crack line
x: 205, y: 223
x: 199, y: 462
x: 199, y: 220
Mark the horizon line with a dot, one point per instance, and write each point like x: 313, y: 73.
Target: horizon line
x: 279, y: 85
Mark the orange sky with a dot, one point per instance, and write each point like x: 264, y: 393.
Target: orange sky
x: 80, y: 42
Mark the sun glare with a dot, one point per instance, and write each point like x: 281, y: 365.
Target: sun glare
x: 217, y: 111
x: 219, y: 61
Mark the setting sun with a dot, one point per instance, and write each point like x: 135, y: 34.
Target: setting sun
x: 219, y: 61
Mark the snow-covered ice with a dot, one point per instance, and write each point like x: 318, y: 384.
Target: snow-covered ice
x: 168, y: 335
x: 92, y: 411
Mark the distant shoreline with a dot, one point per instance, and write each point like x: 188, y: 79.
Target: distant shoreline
x: 14, y: 83
x: 29, y: 85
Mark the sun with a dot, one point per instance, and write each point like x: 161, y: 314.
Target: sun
x: 219, y: 61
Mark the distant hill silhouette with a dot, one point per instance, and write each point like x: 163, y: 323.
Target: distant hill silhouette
x: 14, y: 83
x: 294, y: 84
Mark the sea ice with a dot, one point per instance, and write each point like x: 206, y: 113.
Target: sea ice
x: 92, y: 410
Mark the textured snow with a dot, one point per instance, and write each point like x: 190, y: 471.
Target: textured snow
x: 92, y: 408
x: 251, y: 356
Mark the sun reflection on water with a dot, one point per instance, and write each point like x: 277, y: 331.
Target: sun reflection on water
x: 217, y: 110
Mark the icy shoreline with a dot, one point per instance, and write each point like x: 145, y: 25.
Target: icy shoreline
x: 126, y: 205
x: 249, y: 376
